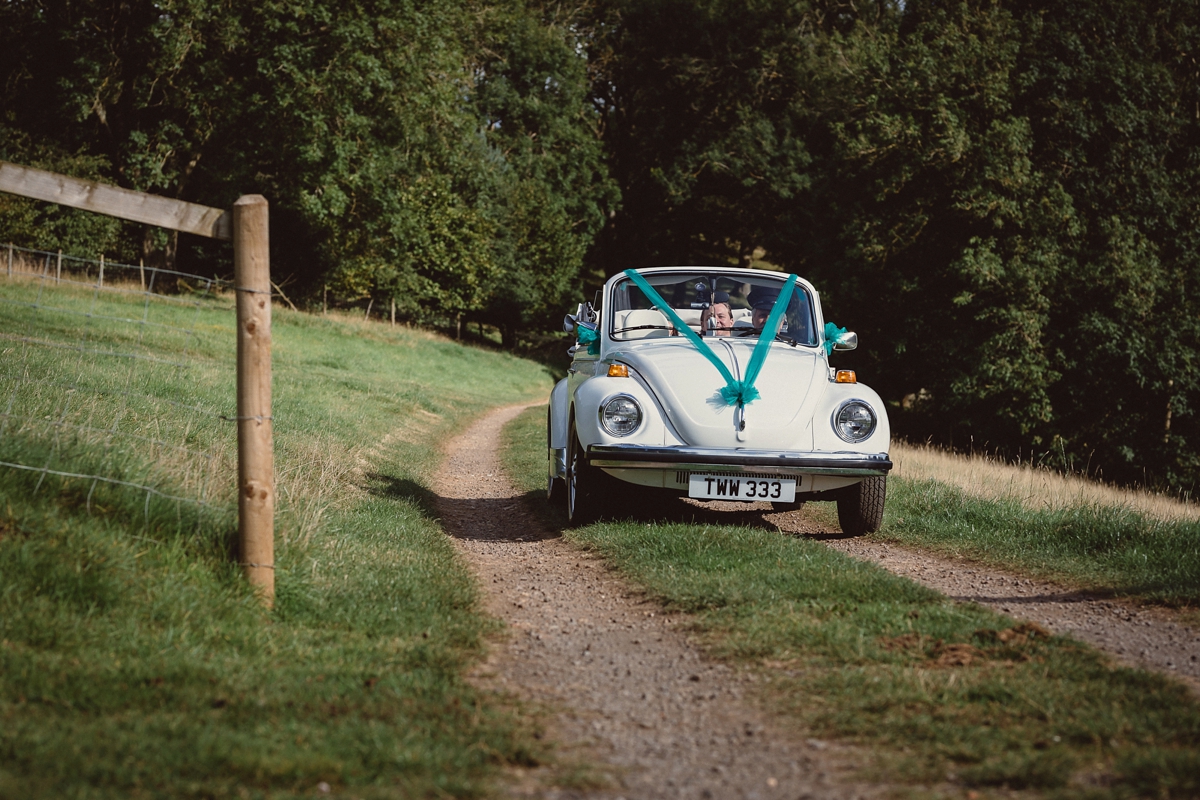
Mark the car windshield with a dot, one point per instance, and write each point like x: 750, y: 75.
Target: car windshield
x: 633, y: 316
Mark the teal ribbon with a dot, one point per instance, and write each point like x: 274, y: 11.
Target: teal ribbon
x: 833, y: 335
x: 734, y: 392
x: 589, y: 337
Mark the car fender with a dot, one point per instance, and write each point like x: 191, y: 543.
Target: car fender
x: 594, y: 392
x: 560, y: 415
x: 824, y: 437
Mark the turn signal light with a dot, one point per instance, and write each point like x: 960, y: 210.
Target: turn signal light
x: 842, y: 376
x: 618, y: 371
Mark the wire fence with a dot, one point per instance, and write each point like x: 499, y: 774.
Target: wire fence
x: 117, y: 376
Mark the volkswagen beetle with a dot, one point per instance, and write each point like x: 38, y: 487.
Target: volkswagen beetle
x: 714, y: 383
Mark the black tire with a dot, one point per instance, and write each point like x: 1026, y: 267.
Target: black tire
x: 556, y: 490
x: 584, y: 484
x: 860, y: 507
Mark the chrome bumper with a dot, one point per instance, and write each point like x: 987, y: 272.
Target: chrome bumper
x: 632, y: 456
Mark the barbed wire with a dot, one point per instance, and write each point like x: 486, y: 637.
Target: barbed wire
x: 97, y: 412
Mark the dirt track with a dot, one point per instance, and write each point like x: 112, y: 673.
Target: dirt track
x: 626, y: 690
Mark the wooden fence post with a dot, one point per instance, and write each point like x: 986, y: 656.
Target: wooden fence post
x: 10, y: 259
x: 256, y: 469
x: 102, y: 270
x: 58, y: 269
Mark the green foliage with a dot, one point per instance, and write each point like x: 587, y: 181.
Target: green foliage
x: 997, y: 195
x: 442, y: 155
x: 1013, y: 227
x: 706, y: 124
x: 28, y: 223
x: 553, y: 192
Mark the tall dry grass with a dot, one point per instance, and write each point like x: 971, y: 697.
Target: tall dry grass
x: 1035, y: 487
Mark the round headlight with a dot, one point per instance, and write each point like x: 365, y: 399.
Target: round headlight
x: 621, y: 415
x: 854, y: 421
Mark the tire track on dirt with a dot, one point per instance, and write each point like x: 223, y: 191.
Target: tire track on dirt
x: 625, y: 689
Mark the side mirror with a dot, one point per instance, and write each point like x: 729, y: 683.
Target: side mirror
x: 584, y: 316
x: 847, y: 341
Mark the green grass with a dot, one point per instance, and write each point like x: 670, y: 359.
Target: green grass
x: 134, y: 661
x: 1104, y: 548
x: 943, y: 693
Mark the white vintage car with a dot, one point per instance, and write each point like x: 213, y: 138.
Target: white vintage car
x: 714, y: 382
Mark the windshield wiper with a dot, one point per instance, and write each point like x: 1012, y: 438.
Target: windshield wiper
x: 779, y: 337
x: 642, y: 328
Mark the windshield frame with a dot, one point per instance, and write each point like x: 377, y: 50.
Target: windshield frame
x: 682, y: 289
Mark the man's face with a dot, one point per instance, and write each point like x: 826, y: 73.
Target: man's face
x: 759, y: 317
x: 721, y: 316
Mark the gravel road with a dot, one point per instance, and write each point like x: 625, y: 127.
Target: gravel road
x: 625, y: 688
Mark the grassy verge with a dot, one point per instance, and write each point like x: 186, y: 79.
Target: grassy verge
x: 134, y: 662
x: 947, y: 695
x: 1111, y: 549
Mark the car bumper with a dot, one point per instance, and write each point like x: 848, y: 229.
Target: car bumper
x: 632, y: 456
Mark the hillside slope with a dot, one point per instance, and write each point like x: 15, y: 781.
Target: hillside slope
x: 133, y: 659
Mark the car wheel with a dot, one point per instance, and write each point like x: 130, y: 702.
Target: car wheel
x: 583, y: 484
x: 860, y: 507
x: 555, y: 490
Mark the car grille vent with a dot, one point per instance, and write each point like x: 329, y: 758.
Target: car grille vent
x: 682, y: 477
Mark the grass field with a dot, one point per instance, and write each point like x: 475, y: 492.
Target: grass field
x: 133, y: 660
x: 950, y: 697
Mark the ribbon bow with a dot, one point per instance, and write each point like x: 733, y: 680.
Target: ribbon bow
x: 833, y: 335
x: 589, y: 337
x: 734, y: 392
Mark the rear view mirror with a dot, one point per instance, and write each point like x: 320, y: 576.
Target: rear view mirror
x: 847, y: 341
x: 569, y: 323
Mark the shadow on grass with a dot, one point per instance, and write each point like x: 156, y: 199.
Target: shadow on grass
x: 393, y: 488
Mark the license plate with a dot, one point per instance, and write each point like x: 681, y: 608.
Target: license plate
x: 746, y: 488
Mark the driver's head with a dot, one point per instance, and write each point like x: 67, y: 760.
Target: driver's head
x: 762, y: 300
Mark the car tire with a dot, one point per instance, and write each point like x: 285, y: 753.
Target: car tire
x: 556, y: 490
x: 860, y: 507
x: 584, y: 484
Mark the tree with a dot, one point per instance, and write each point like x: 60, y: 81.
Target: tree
x: 552, y: 191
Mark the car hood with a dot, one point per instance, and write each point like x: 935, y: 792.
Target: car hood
x: 688, y: 387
